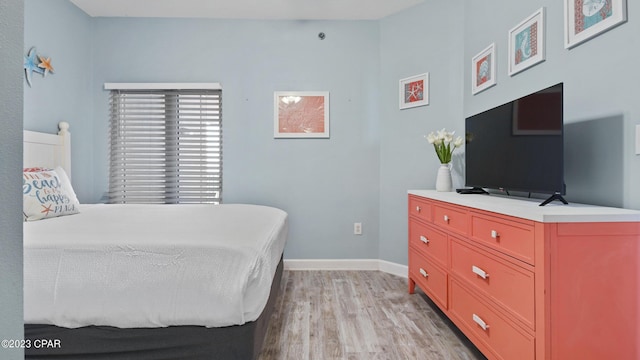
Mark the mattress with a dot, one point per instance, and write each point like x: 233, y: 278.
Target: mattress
x: 142, y: 266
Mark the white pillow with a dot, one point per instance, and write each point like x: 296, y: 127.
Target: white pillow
x: 47, y: 194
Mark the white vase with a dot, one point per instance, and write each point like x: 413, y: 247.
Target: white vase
x: 443, y: 179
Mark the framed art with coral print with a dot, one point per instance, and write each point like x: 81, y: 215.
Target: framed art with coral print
x: 301, y: 114
x: 584, y: 19
x: 483, y: 69
x: 526, y: 43
x: 414, y: 91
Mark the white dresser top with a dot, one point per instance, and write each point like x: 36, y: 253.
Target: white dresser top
x: 554, y: 212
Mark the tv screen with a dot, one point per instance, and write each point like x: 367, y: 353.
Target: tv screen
x: 518, y: 146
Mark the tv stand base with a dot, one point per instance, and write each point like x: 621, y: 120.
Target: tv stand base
x: 554, y: 197
x: 475, y: 190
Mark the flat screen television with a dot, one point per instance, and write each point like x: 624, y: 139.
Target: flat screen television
x: 518, y: 146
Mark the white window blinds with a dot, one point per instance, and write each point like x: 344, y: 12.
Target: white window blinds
x: 165, y: 146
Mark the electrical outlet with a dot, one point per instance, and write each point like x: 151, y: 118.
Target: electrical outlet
x: 357, y: 228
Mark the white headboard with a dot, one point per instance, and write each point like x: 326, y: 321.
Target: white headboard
x: 48, y: 150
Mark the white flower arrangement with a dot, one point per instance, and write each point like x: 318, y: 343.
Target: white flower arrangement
x: 442, y: 141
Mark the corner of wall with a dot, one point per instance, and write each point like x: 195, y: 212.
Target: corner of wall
x: 11, y: 105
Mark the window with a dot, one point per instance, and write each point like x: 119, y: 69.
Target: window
x: 165, y: 143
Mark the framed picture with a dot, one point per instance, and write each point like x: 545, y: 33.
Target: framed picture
x: 414, y: 91
x: 526, y: 43
x: 301, y: 114
x: 584, y: 19
x: 483, y: 69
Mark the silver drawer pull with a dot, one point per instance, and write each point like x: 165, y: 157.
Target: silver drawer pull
x: 446, y: 218
x: 478, y: 320
x: 494, y: 234
x: 424, y: 239
x: 423, y: 272
x: 418, y: 208
x: 476, y: 270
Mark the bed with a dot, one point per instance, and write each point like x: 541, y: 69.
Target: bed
x: 135, y: 281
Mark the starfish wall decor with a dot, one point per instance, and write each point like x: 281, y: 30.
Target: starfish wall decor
x: 34, y: 63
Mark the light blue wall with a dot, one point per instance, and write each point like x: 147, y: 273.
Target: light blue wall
x: 62, y: 32
x: 601, y: 111
x: 600, y: 88
x: 11, y: 34
x: 426, y: 38
x: 325, y: 184
x: 376, y: 151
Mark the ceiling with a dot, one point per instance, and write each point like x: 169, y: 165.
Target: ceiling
x: 247, y: 9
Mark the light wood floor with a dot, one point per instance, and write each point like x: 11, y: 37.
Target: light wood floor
x: 359, y: 315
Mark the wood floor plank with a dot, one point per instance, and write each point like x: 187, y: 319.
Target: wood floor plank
x: 354, y: 315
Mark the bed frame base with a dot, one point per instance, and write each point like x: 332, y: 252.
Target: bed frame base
x: 173, y: 342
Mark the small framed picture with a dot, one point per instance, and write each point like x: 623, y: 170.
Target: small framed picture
x: 301, y: 114
x: 483, y: 69
x: 586, y: 19
x: 526, y: 43
x: 414, y: 91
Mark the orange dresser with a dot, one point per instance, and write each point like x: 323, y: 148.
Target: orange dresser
x: 522, y: 281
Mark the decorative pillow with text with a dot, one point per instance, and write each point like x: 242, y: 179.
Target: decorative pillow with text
x: 47, y: 194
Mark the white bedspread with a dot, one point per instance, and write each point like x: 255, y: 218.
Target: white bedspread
x: 152, y: 265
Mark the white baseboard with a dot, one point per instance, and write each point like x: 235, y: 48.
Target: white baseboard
x: 393, y: 268
x: 346, y: 264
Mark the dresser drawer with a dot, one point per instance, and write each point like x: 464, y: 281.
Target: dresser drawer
x: 505, y: 339
x: 429, y: 278
x: 510, y: 237
x: 451, y: 218
x: 509, y: 285
x: 429, y: 241
x: 419, y: 208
